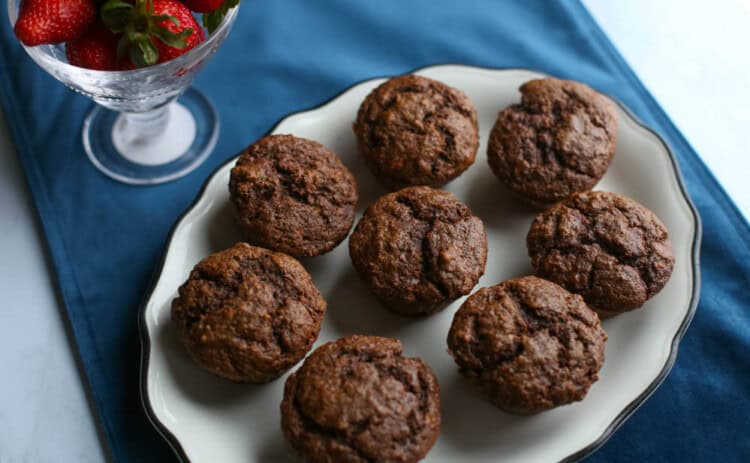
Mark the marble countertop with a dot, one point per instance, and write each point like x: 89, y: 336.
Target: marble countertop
x: 691, y: 54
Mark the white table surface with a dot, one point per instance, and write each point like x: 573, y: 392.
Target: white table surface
x: 693, y: 55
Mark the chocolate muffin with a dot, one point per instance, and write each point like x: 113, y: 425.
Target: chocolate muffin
x: 417, y: 131
x: 418, y: 249
x: 528, y: 344
x: 359, y: 400
x: 248, y: 314
x: 608, y: 248
x: 293, y: 195
x: 558, y: 141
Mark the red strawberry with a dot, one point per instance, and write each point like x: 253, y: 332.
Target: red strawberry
x: 96, y: 49
x: 203, y: 6
x: 153, y: 31
x: 53, y: 21
x: 186, y: 21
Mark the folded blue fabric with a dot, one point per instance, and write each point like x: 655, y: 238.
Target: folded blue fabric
x: 105, y: 238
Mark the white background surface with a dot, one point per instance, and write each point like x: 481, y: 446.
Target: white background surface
x: 693, y: 55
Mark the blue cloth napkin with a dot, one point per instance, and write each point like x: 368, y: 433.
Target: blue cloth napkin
x: 105, y: 238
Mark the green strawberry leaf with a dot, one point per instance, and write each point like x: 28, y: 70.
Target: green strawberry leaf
x: 116, y: 14
x: 143, y: 52
x: 212, y: 20
x: 122, y: 48
x: 166, y: 17
x: 170, y: 38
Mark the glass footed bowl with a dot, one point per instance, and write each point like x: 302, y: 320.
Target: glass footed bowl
x: 148, y: 126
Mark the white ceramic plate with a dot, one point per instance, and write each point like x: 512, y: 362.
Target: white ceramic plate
x: 207, y: 419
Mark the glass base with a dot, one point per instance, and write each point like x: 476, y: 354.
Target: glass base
x: 152, y: 148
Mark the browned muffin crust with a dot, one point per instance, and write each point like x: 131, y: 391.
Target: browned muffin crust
x: 359, y: 400
x: 606, y: 247
x: 248, y: 314
x: 418, y: 249
x: 558, y: 141
x: 528, y: 344
x: 293, y: 195
x: 417, y: 131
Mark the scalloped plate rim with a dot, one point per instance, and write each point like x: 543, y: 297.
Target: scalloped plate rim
x: 143, y: 331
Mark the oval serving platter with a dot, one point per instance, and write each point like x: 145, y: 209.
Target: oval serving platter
x: 207, y: 419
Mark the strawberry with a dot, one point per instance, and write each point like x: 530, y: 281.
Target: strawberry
x: 153, y: 31
x: 53, y: 21
x: 96, y: 49
x: 185, y: 21
x: 203, y: 6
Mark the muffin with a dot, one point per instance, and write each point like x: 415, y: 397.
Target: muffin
x: 558, y: 141
x: 293, y: 195
x: 248, y: 314
x: 418, y: 249
x: 528, y: 344
x: 608, y: 248
x: 359, y: 400
x: 413, y: 130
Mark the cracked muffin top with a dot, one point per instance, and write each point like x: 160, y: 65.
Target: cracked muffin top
x: 606, y: 247
x: 359, y: 400
x: 413, y: 130
x: 418, y: 249
x: 248, y: 314
x: 528, y: 344
x: 558, y: 141
x: 293, y: 195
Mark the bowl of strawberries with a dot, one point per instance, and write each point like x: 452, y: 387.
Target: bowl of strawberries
x: 136, y: 59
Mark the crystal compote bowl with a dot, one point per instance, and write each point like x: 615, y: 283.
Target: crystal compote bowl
x: 148, y: 126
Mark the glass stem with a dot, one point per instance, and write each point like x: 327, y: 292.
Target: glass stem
x: 143, y: 129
